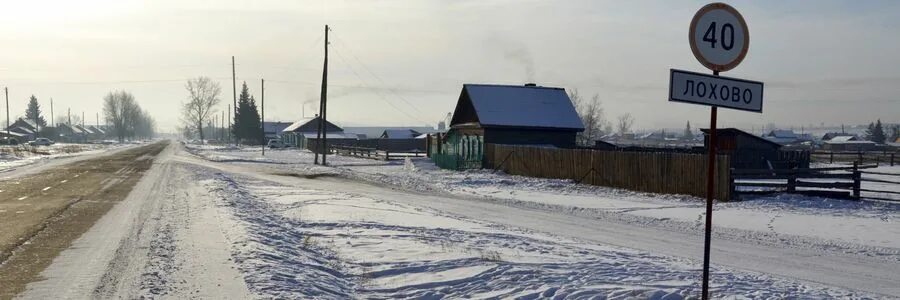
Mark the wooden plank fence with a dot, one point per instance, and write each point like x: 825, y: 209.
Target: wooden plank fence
x: 669, y: 173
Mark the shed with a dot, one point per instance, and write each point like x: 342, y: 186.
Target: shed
x: 748, y: 151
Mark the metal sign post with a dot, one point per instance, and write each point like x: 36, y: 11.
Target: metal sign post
x: 719, y: 39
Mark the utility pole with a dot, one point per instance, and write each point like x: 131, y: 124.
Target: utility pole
x: 6, y: 92
x: 233, y: 91
x: 69, y: 114
x: 322, y: 136
x: 262, y: 113
x: 52, y: 121
x: 228, y: 131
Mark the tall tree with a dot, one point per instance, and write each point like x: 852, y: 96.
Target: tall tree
x: 247, y: 120
x: 878, y: 135
x: 624, y: 123
x: 592, y: 117
x: 688, y: 133
x: 33, y: 112
x: 203, y: 96
x: 895, y: 133
x: 120, y: 109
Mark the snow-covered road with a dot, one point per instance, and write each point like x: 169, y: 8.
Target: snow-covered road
x: 194, y: 228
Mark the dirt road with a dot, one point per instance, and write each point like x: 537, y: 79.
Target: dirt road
x: 42, y: 213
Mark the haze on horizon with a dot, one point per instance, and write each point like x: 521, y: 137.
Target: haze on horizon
x: 403, y: 62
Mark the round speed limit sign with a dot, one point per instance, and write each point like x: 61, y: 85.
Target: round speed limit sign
x: 719, y: 37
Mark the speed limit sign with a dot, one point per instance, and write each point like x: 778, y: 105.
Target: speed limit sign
x: 719, y: 37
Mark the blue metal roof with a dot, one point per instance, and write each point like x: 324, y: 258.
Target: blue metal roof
x: 523, y: 106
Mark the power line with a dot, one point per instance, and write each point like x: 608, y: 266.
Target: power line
x: 341, y: 41
x: 376, y: 91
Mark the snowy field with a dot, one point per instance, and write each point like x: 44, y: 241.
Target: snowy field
x: 383, y: 247
x: 16, y: 156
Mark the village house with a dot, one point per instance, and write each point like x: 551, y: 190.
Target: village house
x: 298, y: 133
x: 400, y: 134
x: 273, y: 130
x: 848, y: 143
x: 507, y: 114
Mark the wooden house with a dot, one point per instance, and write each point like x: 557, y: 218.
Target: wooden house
x: 507, y: 114
x: 297, y: 133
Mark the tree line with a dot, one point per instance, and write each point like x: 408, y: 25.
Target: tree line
x: 125, y: 118
x: 200, y: 107
x: 878, y: 134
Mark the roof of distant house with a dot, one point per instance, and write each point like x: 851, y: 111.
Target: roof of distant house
x: 517, y: 106
x: 275, y: 126
x: 399, y: 134
x: 310, y: 125
x: 843, y: 138
x: 782, y: 133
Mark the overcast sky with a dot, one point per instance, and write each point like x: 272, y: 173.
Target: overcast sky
x: 404, y: 62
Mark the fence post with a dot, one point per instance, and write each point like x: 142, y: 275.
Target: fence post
x: 856, y: 180
x: 792, y: 183
x: 859, y: 154
x: 892, y: 159
x: 832, y: 157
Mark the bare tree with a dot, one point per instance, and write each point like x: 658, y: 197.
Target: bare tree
x: 592, y: 117
x: 204, y: 95
x: 121, y: 111
x: 624, y: 123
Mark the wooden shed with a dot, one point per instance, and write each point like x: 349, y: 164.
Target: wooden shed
x: 749, y: 151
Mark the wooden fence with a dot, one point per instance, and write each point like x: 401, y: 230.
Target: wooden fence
x: 669, y: 173
x: 832, y: 181
x: 861, y: 157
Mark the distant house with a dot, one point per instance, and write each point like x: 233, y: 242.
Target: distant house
x: 374, y: 132
x: 400, y: 134
x: 830, y: 135
x: 70, y: 133
x: 507, y: 114
x: 12, y: 138
x: 273, y: 130
x: 848, y: 143
x: 298, y: 132
x: 24, y: 132
x: 749, y: 151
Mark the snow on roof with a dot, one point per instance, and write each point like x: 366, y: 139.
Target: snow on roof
x: 275, y: 126
x: 399, y: 134
x: 523, y: 106
x: 297, y: 124
x: 844, y: 138
x: 331, y: 136
x: 21, y: 129
x: 848, y: 142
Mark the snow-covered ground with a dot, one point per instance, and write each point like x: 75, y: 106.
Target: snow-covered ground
x: 857, y: 226
x: 233, y: 224
x: 17, y: 156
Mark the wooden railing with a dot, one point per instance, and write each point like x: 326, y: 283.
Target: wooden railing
x: 861, y: 157
x: 833, y: 181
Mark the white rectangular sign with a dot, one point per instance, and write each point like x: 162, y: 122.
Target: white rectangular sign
x: 705, y: 89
